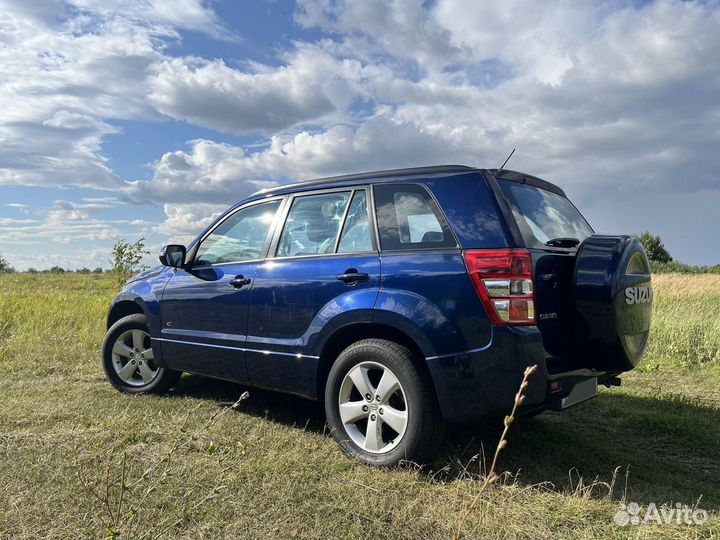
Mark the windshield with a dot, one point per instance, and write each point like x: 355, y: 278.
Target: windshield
x: 543, y: 215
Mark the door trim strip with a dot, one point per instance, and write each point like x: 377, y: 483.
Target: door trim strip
x: 241, y: 349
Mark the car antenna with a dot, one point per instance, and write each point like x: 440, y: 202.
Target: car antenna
x: 505, y: 162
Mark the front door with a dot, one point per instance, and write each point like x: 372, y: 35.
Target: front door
x: 326, y: 264
x: 204, y: 307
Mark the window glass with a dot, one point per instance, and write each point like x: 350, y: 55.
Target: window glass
x: 546, y: 214
x: 313, y: 224
x: 357, y: 235
x: 241, y: 237
x: 408, y: 218
x: 421, y: 224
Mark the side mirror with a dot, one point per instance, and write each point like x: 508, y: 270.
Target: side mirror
x: 173, y: 255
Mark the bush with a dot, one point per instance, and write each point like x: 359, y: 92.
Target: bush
x: 5, y: 267
x: 57, y: 270
x: 126, y: 259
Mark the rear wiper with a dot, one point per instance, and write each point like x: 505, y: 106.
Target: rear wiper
x: 563, y: 242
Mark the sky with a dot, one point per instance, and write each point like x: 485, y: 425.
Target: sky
x: 146, y: 118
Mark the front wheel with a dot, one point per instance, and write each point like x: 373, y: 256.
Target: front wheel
x: 380, y: 407
x: 129, y: 360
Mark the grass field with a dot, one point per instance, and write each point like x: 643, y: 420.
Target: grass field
x: 192, y: 467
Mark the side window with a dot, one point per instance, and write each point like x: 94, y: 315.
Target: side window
x: 357, y: 235
x: 408, y: 218
x: 241, y: 237
x: 313, y: 224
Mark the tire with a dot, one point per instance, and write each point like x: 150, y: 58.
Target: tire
x: 406, y: 422
x: 127, y: 344
x: 612, y: 291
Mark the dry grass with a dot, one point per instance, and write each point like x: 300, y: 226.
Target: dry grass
x: 268, y: 468
x: 684, y: 286
x: 686, y: 324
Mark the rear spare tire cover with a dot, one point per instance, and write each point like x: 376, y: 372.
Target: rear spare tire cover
x: 613, y: 302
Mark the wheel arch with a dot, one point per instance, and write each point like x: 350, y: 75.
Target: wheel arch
x: 123, y: 308
x: 349, y: 334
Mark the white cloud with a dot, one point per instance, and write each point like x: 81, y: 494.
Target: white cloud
x: 537, y: 40
x: 94, y: 204
x: 66, y: 234
x: 63, y: 119
x: 11, y: 221
x: 601, y: 99
x: 310, y: 87
x: 398, y: 28
x: 210, y: 172
x: 58, y: 88
x: 185, y: 221
x: 611, y: 100
x: 64, y: 211
x: 69, y: 67
x: 194, y: 15
x: 220, y: 173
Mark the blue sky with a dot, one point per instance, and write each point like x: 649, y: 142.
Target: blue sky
x: 145, y: 118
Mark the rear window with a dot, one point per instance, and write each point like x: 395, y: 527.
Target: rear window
x: 543, y: 215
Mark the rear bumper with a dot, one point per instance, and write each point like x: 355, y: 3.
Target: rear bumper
x: 476, y: 384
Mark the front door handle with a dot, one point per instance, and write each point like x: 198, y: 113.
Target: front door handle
x: 239, y: 281
x: 351, y: 276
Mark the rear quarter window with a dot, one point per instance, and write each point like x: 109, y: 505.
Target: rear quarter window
x: 409, y: 218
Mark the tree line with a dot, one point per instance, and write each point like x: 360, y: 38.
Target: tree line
x: 127, y: 257
x: 126, y: 260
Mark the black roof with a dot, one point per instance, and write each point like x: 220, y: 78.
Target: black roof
x: 504, y: 174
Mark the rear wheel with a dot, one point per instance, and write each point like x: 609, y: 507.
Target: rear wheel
x: 129, y: 360
x: 380, y: 407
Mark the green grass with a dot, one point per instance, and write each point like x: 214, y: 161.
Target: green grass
x: 196, y: 468
x: 686, y: 324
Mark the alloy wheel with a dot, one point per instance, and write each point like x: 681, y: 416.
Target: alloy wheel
x: 373, y: 407
x: 133, y: 359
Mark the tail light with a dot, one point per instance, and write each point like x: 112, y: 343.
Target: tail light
x: 503, y: 280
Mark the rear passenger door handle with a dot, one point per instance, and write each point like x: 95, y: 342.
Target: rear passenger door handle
x: 239, y: 281
x: 352, y: 276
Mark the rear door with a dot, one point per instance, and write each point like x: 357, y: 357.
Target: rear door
x: 204, y: 308
x: 326, y: 264
x: 425, y: 290
x: 551, y: 228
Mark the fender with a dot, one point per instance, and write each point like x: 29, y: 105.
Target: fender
x: 353, y: 307
x: 151, y: 313
x: 406, y: 326
x: 420, y: 319
x: 146, y: 294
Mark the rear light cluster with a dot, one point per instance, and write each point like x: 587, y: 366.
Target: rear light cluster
x: 503, y: 279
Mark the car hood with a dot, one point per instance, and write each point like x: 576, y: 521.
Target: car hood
x: 147, y: 274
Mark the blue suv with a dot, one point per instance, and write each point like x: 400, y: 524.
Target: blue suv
x: 403, y: 299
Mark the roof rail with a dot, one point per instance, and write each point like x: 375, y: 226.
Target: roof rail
x: 436, y: 169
